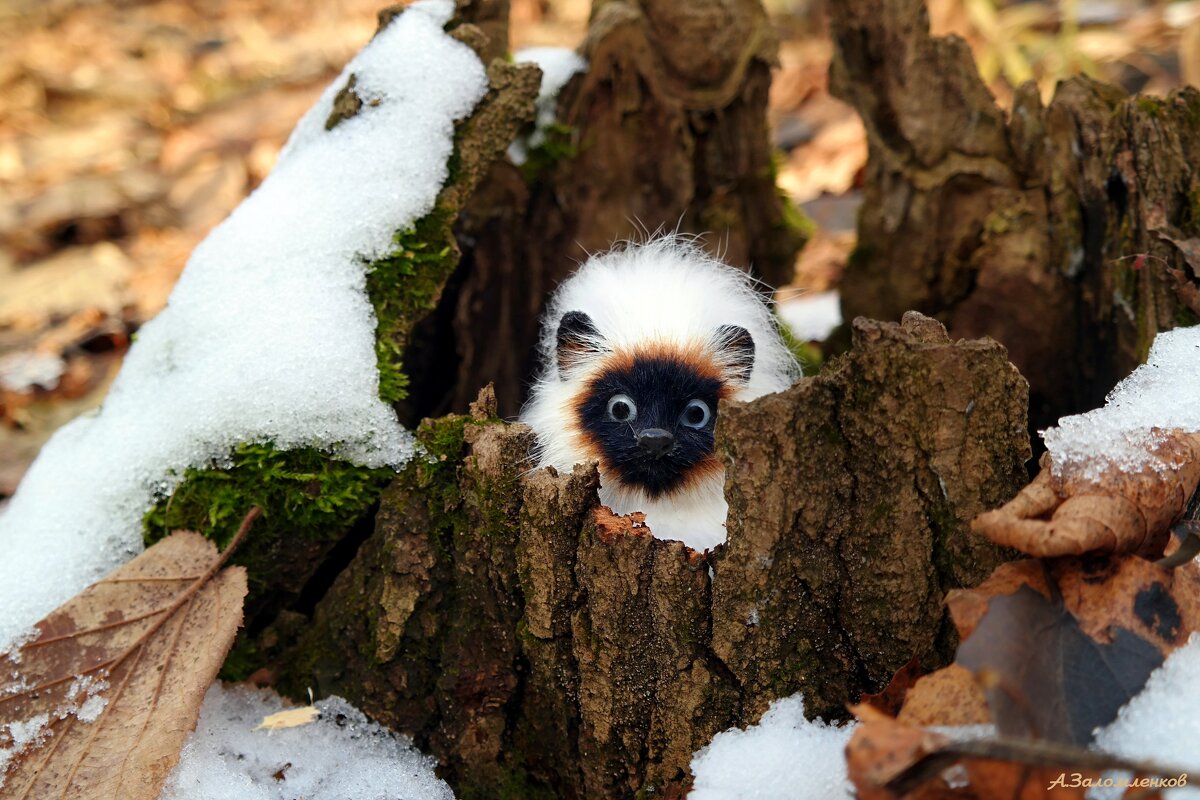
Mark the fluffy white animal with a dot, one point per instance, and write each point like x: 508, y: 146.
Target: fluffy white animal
x: 638, y: 347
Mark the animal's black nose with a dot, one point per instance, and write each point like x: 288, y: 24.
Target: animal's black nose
x: 655, y: 442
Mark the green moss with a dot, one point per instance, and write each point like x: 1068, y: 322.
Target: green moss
x: 242, y: 661
x: 809, y: 355
x: 435, y: 477
x: 795, y: 221
x: 557, y: 146
x: 303, y: 493
x: 1191, y: 221
x: 860, y: 256
x: 1151, y: 106
x: 513, y: 783
x: 405, y: 285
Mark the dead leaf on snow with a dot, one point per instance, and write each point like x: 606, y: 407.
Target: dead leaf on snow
x: 289, y: 718
x: 1124, y: 512
x: 104, y: 695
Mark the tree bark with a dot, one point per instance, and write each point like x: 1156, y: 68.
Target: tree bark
x: 1031, y: 226
x: 534, y: 641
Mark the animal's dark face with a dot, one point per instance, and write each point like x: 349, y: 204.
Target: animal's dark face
x: 652, y: 421
x: 649, y: 415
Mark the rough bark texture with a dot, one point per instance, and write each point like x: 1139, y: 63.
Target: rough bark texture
x: 666, y: 127
x: 535, y: 642
x: 1028, y: 226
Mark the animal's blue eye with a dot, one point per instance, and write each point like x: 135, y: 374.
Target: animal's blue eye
x: 696, y: 415
x: 621, y: 408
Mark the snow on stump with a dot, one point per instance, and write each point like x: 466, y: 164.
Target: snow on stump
x: 270, y: 377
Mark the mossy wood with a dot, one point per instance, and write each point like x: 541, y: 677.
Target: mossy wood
x: 537, y: 644
x: 310, y: 500
x: 1069, y: 232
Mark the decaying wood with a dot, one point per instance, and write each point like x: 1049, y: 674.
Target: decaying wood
x: 1120, y: 512
x: 666, y: 127
x: 530, y: 639
x: 117, y: 674
x: 1025, y: 226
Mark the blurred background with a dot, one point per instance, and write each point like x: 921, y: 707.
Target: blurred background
x: 128, y: 129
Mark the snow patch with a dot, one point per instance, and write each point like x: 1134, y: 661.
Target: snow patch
x: 558, y: 64
x: 812, y: 317
x: 782, y: 757
x: 16, y: 736
x: 269, y: 335
x: 341, y: 756
x: 1162, y: 722
x: 1162, y: 393
x: 25, y: 371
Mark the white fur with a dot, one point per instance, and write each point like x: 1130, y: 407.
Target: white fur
x: 666, y: 290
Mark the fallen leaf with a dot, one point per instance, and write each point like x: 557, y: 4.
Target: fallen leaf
x: 1102, y: 592
x: 1123, y: 512
x: 290, y: 718
x: 882, y: 749
x: 949, y: 696
x: 1044, y: 677
x: 104, y: 694
x: 891, y: 698
x: 890, y: 759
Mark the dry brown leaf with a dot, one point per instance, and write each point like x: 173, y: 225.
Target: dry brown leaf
x: 892, y: 696
x: 1124, y: 512
x: 949, y: 696
x: 103, y: 697
x: 882, y: 749
x: 1060, y: 645
x: 889, y: 759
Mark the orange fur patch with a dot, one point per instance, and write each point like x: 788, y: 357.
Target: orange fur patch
x: 693, y: 356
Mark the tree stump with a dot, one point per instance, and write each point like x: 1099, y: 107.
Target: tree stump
x: 1070, y: 233
x: 534, y: 641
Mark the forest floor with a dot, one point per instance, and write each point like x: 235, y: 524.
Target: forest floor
x: 128, y: 130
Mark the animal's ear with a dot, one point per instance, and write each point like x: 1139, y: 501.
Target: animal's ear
x: 577, y: 339
x: 736, y: 349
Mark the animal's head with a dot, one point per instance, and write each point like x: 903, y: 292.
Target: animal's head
x: 647, y: 413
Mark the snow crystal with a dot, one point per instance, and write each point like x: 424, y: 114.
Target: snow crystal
x: 558, y: 64
x: 269, y: 335
x: 812, y: 317
x: 783, y: 756
x: 1162, y: 722
x: 1162, y: 393
x: 341, y: 756
x: 18, y: 736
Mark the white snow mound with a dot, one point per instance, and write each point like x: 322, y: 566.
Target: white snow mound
x: 269, y: 335
x: 1162, y: 393
x: 1161, y: 723
x: 784, y: 756
x: 558, y: 64
x: 341, y: 756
